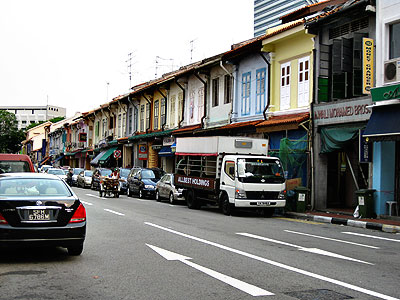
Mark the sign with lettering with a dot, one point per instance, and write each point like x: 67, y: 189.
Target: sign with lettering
x: 388, y: 92
x: 189, y: 181
x: 365, y: 149
x: 142, y: 155
x: 82, y: 136
x: 368, y: 65
x: 342, y: 112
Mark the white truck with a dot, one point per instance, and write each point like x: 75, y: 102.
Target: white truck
x: 233, y: 172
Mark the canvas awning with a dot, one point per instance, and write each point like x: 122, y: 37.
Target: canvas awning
x: 107, y: 155
x: 95, y: 161
x: 384, y: 123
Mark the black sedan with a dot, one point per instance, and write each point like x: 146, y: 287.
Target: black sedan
x: 38, y: 209
x: 143, y: 182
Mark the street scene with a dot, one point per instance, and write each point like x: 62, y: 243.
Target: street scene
x: 262, y: 160
x: 171, y: 252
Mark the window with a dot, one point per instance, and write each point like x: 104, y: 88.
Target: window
x: 215, y: 92
x: 304, y: 82
x: 135, y: 119
x: 285, y: 86
x: 147, y: 116
x: 156, y: 111
x: 228, y: 89
x: 180, y: 105
x: 104, y: 127
x: 260, y: 90
x: 230, y: 169
x: 172, y: 114
x: 119, y: 125
x: 123, y: 124
x: 394, y: 40
x: 141, y: 118
x: 130, y: 120
x: 200, y: 111
x: 163, y: 100
x: 96, y: 129
x: 246, y: 77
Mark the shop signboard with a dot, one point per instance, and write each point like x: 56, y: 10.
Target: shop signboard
x: 368, y: 65
x: 384, y: 93
x: 340, y: 112
x: 142, y: 152
x: 365, y: 151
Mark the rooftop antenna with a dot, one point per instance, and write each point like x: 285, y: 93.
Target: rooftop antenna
x: 108, y: 84
x: 129, y: 66
x: 158, y: 58
x: 191, y: 49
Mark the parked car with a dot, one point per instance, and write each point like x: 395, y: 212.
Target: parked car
x: 75, y: 175
x: 143, y: 181
x: 12, y: 163
x: 58, y: 172
x: 29, y: 215
x: 165, y: 189
x: 96, y: 177
x: 84, y: 179
x: 44, y: 168
x: 123, y: 173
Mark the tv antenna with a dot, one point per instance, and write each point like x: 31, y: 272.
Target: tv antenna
x: 192, y: 49
x: 158, y: 58
x: 129, y: 66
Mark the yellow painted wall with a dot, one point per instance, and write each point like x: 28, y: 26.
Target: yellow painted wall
x: 289, y: 48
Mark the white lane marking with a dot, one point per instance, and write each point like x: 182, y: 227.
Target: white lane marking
x: 372, y: 237
x: 241, y: 285
x: 277, y: 264
x: 311, y: 250
x: 86, y: 203
x: 95, y: 196
x: 114, y: 212
x: 331, y: 239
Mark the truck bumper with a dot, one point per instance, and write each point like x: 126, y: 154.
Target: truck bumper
x: 259, y: 203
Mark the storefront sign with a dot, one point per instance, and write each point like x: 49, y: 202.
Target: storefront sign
x: 82, y: 137
x: 168, y: 140
x: 368, y: 65
x: 342, y: 112
x: 142, y: 152
x: 365, y: 149
x: 388, y: 92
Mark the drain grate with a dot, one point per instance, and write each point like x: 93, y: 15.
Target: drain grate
x: 320, y: 294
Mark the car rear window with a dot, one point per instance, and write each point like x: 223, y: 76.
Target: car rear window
x: 56, y: 172
x: 33, y: 187
x: 13, y: 166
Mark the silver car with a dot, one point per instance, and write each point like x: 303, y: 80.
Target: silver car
x: 84, y: 179
x: 165, y: 189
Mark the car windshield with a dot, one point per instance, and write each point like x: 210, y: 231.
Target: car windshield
x: 151, y: 174
x: 14, y: 166
x: 124, y: 172
x: 33, y: 187
x: 88, y: 173
x: 56, y: 172
x: 77, y: 171
x: 105, y: 172
x: 259, y: 170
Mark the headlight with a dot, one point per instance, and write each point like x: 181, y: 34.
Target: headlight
x: 240, y: 194
x: 148, y: 186
x: 282, y: 195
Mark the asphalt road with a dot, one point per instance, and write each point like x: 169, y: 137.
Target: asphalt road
x: 143, y: 249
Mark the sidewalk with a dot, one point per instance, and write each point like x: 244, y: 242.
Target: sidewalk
x: 391, y: 224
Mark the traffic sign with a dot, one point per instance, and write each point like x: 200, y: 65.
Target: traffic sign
x: 117, y: 154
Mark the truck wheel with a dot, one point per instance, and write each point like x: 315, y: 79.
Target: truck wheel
x: 227, y: 208
x: 191, y: 200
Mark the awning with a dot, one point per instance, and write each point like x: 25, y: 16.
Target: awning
x: 58, y: 158
x: 151, y: 134
x: 337, y: 138
x: 384, y: 123
x: 95, y: 161
x: 107, y: 155
x: 283, y: 122
x: 44, y: 160
x: 166, y: 151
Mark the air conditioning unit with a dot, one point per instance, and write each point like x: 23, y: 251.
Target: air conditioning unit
x: 392, y: 70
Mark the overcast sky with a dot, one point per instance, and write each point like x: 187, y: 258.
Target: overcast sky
x: 74, y: 53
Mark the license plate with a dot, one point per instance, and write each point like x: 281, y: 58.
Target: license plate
x: 261, y: 203
x: 39, y: 215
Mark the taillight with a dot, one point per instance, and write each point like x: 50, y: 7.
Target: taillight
x: 79, y: 215
x: 2, y: 220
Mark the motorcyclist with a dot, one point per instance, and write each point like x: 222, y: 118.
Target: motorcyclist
x: 69, y: 176
x: 115, y: 174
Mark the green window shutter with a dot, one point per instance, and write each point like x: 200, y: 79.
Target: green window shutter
x: 323, y: 89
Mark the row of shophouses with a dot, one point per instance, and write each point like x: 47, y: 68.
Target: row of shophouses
x: 305, y: 85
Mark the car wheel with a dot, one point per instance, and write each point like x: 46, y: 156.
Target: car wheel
x: 75, y: 251
x: 92, y: 186
x: 158, y: 196
x: 171, y: 198
x: 140, y: 194
x: 101, y: 194
x: 128, y: 193
x: 191, y: 200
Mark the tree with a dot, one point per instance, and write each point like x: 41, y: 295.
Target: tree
x: 10, y: 137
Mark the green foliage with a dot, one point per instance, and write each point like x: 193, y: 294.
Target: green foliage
x: 54, y: 120
x: 10, y: 137
x: 57, y: 119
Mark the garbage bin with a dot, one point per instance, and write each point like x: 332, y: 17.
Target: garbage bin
x: 365, y: 199
x: 301, y: 198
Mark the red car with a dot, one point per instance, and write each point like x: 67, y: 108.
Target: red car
x: 15, y: 163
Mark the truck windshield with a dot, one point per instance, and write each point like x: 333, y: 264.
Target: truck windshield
x: 259, y: 170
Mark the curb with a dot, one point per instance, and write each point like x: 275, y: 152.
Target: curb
x: 345, y: 222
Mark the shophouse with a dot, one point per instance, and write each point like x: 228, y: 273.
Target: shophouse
x: 344, y: 34
x: 383, y: 128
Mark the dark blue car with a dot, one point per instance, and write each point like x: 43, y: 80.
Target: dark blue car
x: 142, y: 182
